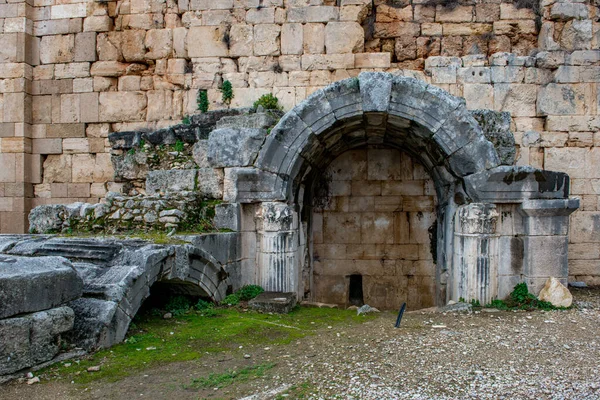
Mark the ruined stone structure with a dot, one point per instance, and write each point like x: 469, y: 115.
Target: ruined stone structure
x: 413, y: 162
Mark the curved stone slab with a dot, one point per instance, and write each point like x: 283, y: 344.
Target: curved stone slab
x: 415, y: 114
x: 35, y: 284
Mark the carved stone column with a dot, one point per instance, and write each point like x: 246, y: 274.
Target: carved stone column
x: 545, y: 243
x: 277, y: 247
x: 475, y: 275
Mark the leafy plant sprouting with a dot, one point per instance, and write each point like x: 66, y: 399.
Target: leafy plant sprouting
x: 231, y: 300
x: 268, y: 102
x: 521, y: 299
x: 227, y: 92
x: 202, y: 100
x: 179, y: 146
x: 248, y: 292
x: 178, y: 305
x: 186, y: 120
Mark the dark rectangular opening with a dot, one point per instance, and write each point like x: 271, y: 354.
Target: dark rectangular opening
x: 355, y: 292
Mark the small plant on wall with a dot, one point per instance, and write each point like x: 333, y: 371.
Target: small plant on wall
x: 202, y: 100
x: 268, y: 102
x: 227, y: 92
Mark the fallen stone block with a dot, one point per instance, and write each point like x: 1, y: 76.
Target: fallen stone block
x: 31, y: 339
x: 35, y: 284
x: 280, y: 303
x: 556, y: 293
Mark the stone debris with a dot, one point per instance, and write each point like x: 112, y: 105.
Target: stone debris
x: 94, y: 368
x: 556, y: 293
x: 33, y: 381
x: 366, y: 309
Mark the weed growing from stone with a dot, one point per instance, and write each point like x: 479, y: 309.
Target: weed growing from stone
x: 227, y: 92
x: 186, y: 120
x: 268, y: 102
x: 202, y: 101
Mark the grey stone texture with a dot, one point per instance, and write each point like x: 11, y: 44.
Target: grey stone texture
x: 30, y: 339
x: 496, y: 128
x: 234, y: 147
x: 274, y: 302
x: 35, y: 284
x: 171, y: 181
x: 116, y: 276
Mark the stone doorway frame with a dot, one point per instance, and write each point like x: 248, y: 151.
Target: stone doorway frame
x: 435, y: 128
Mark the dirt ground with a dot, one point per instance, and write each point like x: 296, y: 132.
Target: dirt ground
x: 483, y: 355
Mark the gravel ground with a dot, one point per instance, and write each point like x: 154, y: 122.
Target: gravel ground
x: 485, y: 355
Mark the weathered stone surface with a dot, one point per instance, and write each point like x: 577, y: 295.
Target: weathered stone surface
x: 122, y: 106
x: 556, y: 293
x: 210, y: 183
x: 35, y: 284
x: 496, y: 128
x: 129, y: 167
x: 344, y: 37
x: 32, y: 339
x: 207, y: 41
x: 234, y: 147
x: 171, y: 181
x: 561, y: 99
x: 46, y: 219
x: 504, y: 183
x: 228, y: 216
x: 256, y: 120
x: 200, y: 153
x: 280, y: 303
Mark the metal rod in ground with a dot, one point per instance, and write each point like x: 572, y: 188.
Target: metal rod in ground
x: 400, y: 314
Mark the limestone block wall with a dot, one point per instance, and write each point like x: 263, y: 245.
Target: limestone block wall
x: 72, y: 72
x: 375, y: 222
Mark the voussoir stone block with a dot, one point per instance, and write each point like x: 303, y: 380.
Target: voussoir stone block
x: 234, y: 147
x: 35, y: 284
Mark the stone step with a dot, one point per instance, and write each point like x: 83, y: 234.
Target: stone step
x: 72, y: 249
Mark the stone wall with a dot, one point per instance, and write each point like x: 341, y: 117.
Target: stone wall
x: 71, y: 73
x: 375, y: 221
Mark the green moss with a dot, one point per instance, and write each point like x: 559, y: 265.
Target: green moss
x: 222, y: 380
x: 154, y: 341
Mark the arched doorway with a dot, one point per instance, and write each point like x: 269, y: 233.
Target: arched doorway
x: 432, y: 127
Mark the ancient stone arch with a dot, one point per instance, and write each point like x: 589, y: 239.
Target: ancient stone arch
x: 485, y: 210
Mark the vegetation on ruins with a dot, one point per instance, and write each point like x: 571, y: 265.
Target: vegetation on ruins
x: 268, y: 102
x: 202, y: 100
x: 201, y: 332
x: 519, y: 299
x: 227, y: 92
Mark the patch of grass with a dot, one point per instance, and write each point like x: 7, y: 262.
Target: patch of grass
x: 153, y: 341
x: 232, y: 376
